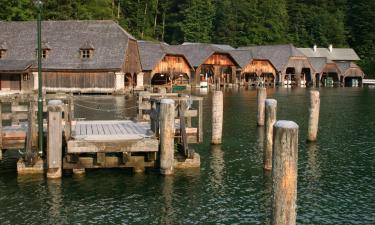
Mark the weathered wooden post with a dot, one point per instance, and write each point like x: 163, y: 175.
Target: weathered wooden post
x: 284, y: 173
x: 167, y: 115
x: 261, y: 97
x: 54, y: 139
x: 312, y: 131
x: 217, y: 117
x: 271, y: 109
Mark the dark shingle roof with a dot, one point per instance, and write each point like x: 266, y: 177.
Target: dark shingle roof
x: 220, y: 46
x: 336, y: 54
x: 318, y: 63
x: 244, y: 57
x: 151, y: 53
x: 65, y: 38
x: 15, y: 65
x: 278, y: 54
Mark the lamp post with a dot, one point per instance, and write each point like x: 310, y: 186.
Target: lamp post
x: 38, y: 4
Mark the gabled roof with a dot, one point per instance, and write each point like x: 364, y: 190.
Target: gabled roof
x: 346, y: 67
x: 244, y: 57
x: 318, y: 63
x: 151, y: 53
x: 198, y: 53
x: 278, y: 54
x: 337, y: 54
x: 65, y: 38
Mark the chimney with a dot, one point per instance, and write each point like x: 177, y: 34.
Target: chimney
x: 330, y: 48
x: 315, y: 47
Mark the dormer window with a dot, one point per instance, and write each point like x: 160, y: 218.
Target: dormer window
x: 2, y: 53
x: 45, y: 50
x: 3, y: 49
x: 85, y: 54
x: 87, y: 50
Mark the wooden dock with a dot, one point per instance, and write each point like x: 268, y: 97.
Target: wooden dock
x: 79, y: 145
x: 369, y: 81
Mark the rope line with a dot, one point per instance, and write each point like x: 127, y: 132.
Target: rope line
x: 105, y: 110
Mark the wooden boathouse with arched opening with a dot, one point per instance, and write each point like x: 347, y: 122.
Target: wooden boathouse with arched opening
x: 255, y: 70
x: 77, y: 56
x: 293, y: 67
x: 348, y: 72
x: 212, y: 63
x: 162, y: 65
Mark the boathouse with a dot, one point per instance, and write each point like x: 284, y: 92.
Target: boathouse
x: 293, y: 67
x: 163, y: 65
x: 347, y: 71
x: 255, y: 69
x: 212, y: 63
x: 77, y: 56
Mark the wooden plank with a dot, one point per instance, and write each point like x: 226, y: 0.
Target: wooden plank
x: 143, y: 145
x: 14, y: 116
x: 19, y: 108
x: 94, y: 129
x: 191, y: 113
x: 106, y: 129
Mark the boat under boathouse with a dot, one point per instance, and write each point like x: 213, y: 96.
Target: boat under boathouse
x: 293, y: 67
x: 162, y: 65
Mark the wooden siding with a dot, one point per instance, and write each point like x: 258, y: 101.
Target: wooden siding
x: 259, y: 67
x: 10, y: 82
x: 79, y: 80
x: 219, y: 59
x: 172, y: 65
x: 331, y: 68
x: 132, y: 62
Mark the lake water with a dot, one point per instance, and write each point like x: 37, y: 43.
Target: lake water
x: 336, y: 175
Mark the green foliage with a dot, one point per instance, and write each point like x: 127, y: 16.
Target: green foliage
x: 236, y: 22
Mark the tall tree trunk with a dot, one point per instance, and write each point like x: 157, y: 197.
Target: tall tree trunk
x: 156, y: 16
x: 162, y: 34
x: 144, y: 21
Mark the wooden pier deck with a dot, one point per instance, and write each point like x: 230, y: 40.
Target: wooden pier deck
x: 112, y: 136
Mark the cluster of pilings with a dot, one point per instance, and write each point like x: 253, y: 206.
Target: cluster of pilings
x: 280, y: 154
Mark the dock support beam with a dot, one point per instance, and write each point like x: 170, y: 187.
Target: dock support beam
x: 54, y: 139
x: 261, y: 97
x: 217, y: 117
x: 167, y: 115
x: 271, y: 110
x: 312, y: 131
x: 284, y: 173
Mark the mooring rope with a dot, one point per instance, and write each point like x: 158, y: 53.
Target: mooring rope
x: 105, y: 110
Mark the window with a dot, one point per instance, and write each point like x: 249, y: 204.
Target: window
x: 26, y: 77
x: 2, y: 53
x: 44, y: 53
x: 85, y: 53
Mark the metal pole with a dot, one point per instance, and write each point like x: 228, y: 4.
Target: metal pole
x: 40, y: 97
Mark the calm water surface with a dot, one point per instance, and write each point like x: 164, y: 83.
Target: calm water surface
x: 336, y: 176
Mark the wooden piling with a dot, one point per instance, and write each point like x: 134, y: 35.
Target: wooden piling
x: 284, y: 173
x: 217, y: 117
x: 271, y: 110
x: 54, y: 139
x: 312, y: 131
x: 261, y: 97
x: 167, y: 115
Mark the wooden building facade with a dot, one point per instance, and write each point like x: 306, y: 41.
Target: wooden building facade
x: 255, y: 70
x: 292, y: 66
x: 212, y: 63
x: 336, y: 65
x: 161, y: 65
x: 77, y: 56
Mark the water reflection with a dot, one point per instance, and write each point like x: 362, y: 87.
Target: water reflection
x: 260, y: 140
x: 56, y: 203
x: 167, y: 212
x: 312, y: 162
x: 217, y: 167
